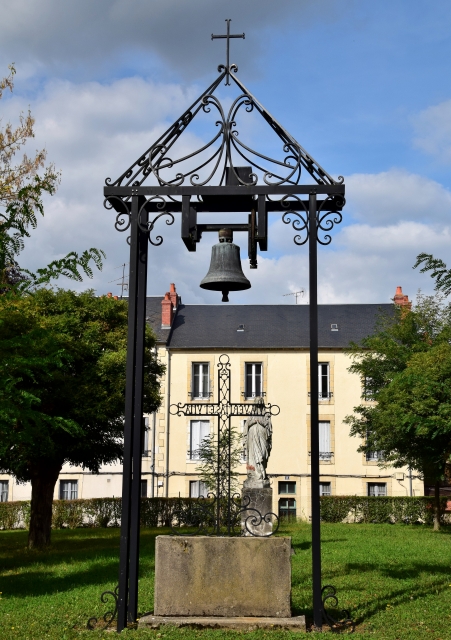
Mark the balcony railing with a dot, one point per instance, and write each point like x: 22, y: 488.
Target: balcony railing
x: 324, y: 455
x: 323, y: 395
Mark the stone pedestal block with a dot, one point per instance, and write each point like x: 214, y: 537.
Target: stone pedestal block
x: 229, y: 577
x: 258, y: 504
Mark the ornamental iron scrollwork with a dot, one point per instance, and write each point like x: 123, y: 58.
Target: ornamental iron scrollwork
x: 298, y: 219
x: 109, y: 616
x: 223, y: 149
x: 223, y: 512
x: 326, y: 220
x: 123, y: 217
x: 343, y: 623
x: 327, y: 216
x: 148, y: 226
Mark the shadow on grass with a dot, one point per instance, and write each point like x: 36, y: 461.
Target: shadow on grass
x: 94, y: 553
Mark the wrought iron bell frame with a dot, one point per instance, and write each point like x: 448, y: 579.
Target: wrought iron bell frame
x: 311, y: 209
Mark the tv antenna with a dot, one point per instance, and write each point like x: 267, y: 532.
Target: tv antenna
x: 297, y: 294
x: 122, y: 283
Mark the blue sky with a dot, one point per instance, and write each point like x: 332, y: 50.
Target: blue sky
x: 363, y: 86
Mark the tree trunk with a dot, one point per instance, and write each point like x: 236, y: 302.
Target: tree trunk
x: 437, y: 513
x: 43, y: 480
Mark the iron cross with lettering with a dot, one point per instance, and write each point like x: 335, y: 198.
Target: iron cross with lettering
x: 227, y: 68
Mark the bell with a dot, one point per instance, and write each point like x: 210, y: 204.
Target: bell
x: 225, y: 273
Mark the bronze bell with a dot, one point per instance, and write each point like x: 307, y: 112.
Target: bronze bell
x: 225, y: 273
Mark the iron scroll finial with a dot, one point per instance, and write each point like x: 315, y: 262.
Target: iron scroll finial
x: 228, y: 68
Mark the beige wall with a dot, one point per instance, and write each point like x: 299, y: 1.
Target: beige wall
x: 286, y: 383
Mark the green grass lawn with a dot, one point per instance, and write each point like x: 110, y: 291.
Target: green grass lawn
x: 395, y: 579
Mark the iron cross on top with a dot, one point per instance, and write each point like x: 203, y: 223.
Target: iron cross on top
x: 228, y: 35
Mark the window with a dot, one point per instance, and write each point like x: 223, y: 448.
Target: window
x: 4, y: 486
x: 373, y: 456
x: 324, y: 381
x: 287, y: 508
x: 324, y: 440
x: 254, y: 379
x: 200, y: 380
x: 68, y: 489
x: 145, y: 438
x: 199, y: 430
x: 197, y: 489
x: 324, y: 489
x: 287, y: 487
x: 377, y: 489
x: 143, y: 488
x: 368, y: 392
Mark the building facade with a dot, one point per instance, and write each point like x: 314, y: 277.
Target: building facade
x: 268, y: 348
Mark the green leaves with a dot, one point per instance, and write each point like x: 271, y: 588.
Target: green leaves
x: 408, y: 365
x: 62, y: 379
x: 439, y: 270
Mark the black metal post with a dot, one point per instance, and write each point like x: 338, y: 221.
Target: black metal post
x: 124, y: 551
x: 314, y: 416
x: 143, y: 245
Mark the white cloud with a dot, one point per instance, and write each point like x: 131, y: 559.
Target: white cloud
x: 433, y: 131
x: 85, y: 35
x: 391, y: 196
x: 93, y: 130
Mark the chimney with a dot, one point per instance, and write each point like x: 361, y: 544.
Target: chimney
x: 400, y: 299
x: 174, y: 296
x: 167, y: 311
x: 109, y: 295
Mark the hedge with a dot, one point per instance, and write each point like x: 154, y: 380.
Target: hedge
x: 155, y: 512
x: 96, y: 512
x: 380, y: 509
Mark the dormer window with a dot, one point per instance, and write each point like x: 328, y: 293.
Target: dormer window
x: 334, y: 327
x: 240, y: 327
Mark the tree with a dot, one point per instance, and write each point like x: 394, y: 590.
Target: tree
x: 62, y: 389
x: 406, y: 369
x: 221, y: 462
x: 439, y: 270
x: 22, y: 186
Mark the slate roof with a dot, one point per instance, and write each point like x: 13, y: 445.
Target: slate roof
x: 269, y: 326
x: 153, y: 317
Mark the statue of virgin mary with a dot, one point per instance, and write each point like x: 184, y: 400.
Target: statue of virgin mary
x: 258, y: 437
